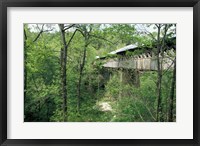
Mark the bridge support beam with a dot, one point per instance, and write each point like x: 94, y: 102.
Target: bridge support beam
x: 130, y: 76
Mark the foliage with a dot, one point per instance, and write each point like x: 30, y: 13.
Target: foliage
x: 129, y: 102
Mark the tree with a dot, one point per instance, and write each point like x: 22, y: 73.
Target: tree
x: 65, y: 80
x: 171, y: 102
x: 85, y: 30
x: 63, y: 71
x: 25, y: 58
x: 159, y: 37
x: 63, y: 56
x: 30, y: 41
x: 161, y: 43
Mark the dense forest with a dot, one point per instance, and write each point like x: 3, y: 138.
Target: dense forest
x: 99, y: 72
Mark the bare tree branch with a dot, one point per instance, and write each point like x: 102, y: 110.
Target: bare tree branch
x: 169, y: 66
x: 81, y: 32
x: 72, y: 37
x: 37, y: 36
x: 41, y: 31
x: 98, y: 37
x: 68, y: 27
x: 148, y: 33
x: 25, y: 36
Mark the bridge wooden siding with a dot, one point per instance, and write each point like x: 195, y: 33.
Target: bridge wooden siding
x: 144, y: 62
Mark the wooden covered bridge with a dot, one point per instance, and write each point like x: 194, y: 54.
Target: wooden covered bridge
x: 144, y: 62
x: 130, y: 66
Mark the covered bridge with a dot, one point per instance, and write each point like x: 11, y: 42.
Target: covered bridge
x: 132, y: 59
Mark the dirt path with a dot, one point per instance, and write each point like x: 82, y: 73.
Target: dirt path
x: 105, y: 106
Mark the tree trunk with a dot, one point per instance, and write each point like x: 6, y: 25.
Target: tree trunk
x: 171, y: 100
x: 63, y: 71
x: 121, y: 82
x: 48, y: 118
x: 159, y: 79
x: 25, y: 70
x: 80, y: 76
x: 90, y: 84
x: 39, y: 109
x: 98, y: 89
x: 136, y: 78
x: 79, y: 91
x: 160, y: 54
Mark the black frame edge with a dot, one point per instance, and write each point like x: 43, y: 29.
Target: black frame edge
x: 1, y: 109
x: 3, y: 75
x: 100, y: 3
x: 196, y: 71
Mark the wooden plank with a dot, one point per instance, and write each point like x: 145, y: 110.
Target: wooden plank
x: 143, y: 62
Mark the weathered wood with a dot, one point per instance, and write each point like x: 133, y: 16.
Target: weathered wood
x: 142, y: 62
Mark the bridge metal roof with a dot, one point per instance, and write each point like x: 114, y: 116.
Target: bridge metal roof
x: 133, y: 47
x: 118, y: 51
x: 126, y: 48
